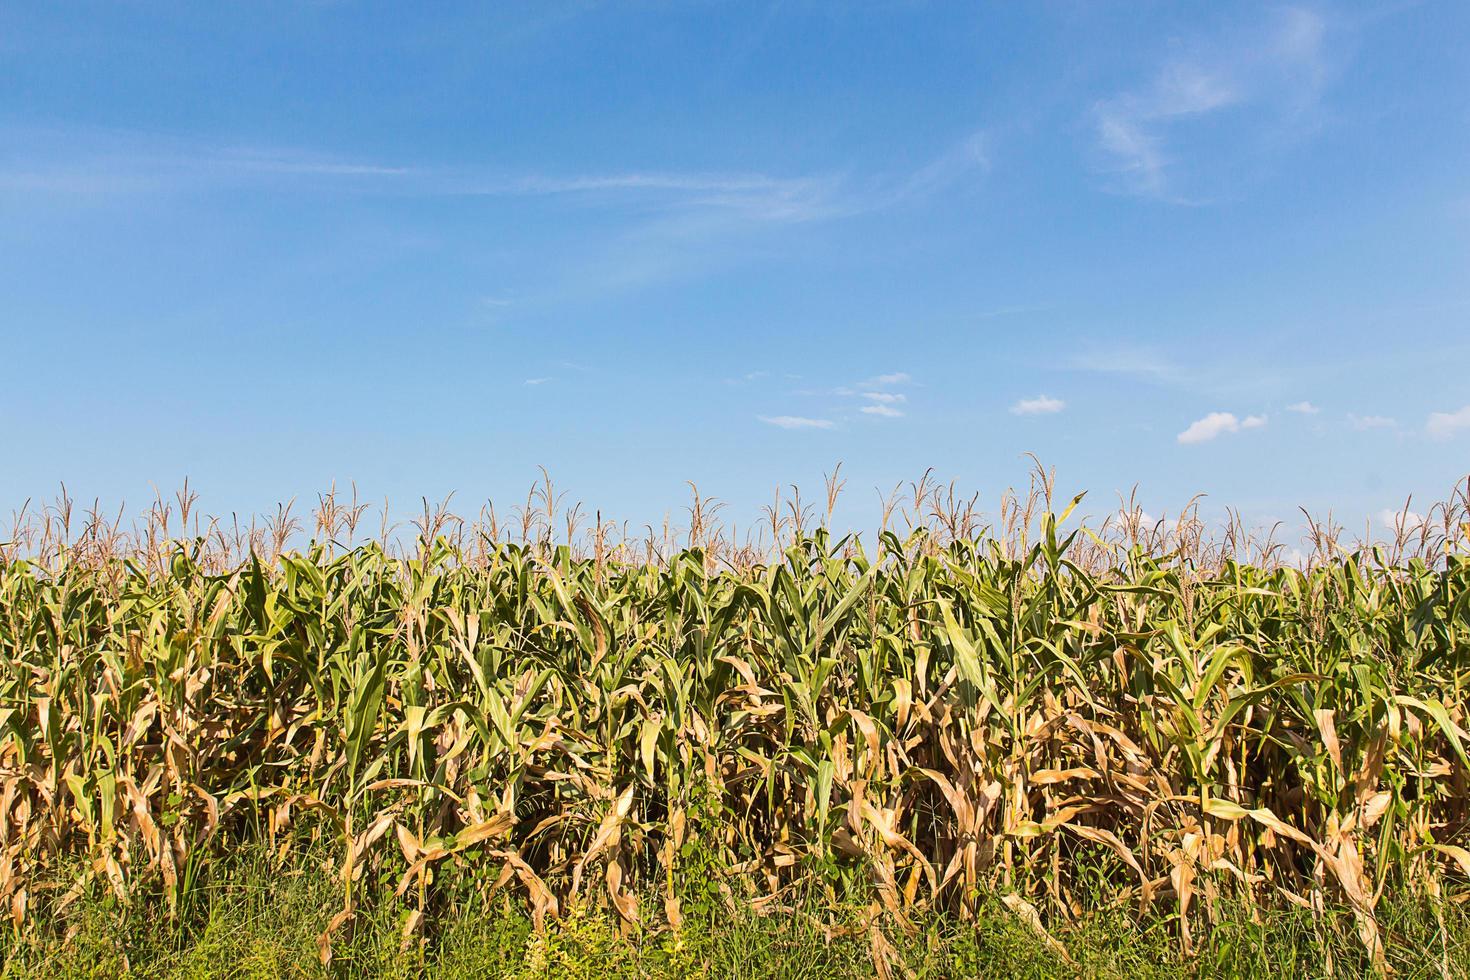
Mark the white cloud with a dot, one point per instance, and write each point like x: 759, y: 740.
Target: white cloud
x: 1365, y: 422
x: 95, y: 161
x: 959, y: 161
x: 887, y: 380
x: 1123, y: 124
x: 537, y: 381
x: 1209, y: 427
x: 1217, y: 424
x: 748, y: 378
x: 1298, y: 45
x: 881, y: 403
x: 658, y: 224
x: 1139, y: 362
x: 1276, y: 71
x: 1405, y: 521
x: 1040, y: 405
x: 1187, y: 89
x: 796, y: 422
x: 1444, y: 425
x: 1138, y: 154
x: 1303, y: 408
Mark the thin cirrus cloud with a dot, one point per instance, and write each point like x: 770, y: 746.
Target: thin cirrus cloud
x: 873, y: 387
x: 1364, y: 423
x: 886, y: 380
x: 1260, y: 82
x: 1216, y: 424
x: 1400, y: 521
x: 750, y: 377
x: 536, y: 381
x: 1040, y: 405
x: 796, y: 422
x: 670, y: 224
x: 95, y: 162
x: 120, y: 161
x: 883, y: 411
x: 1447, y: 425
x: 1139, y: 362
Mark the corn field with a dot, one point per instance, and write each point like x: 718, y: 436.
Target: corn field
x: 949, y: 710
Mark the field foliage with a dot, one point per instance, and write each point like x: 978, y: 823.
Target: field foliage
x: 949, y: 718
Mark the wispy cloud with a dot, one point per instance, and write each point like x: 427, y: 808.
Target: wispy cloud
x: 1446, y: 425
x: 95, y: 161
x: 1142, y: 362
x: 537, y: 381
x: 1126, y: 126
x: 1400, y: 521
x: 748, y: 378
x: 886, y: 380
x: 796, y: 422
x: 127, y: 169
x: 108, y: 162
x: 959, y: 163
x: 1004, y: 311
x: 1303, y: 408
x: 1217, y: 424
x: 877, y: 392
x: 1277, y: 70
x: 1040, y: 405
x: 1363, y: 423
x: 652, y: 225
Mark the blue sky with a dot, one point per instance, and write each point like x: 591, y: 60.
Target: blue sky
x: 1198, y: 247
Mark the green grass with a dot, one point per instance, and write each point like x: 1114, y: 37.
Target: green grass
x: 256, y: 919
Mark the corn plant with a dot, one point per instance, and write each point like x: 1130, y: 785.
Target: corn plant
x: 927, y: 719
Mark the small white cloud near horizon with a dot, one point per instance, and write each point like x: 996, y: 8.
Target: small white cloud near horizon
x: 1040, y: 405
x: 1445, y: 425
x: 886, y: 411
x: 885, y: 397
x: 1365, y: 422
x: 537, y: 381
x: 1216, y: 424
x: 1303, y: 408
x: 796, y: 422
x: 1400, y: 521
